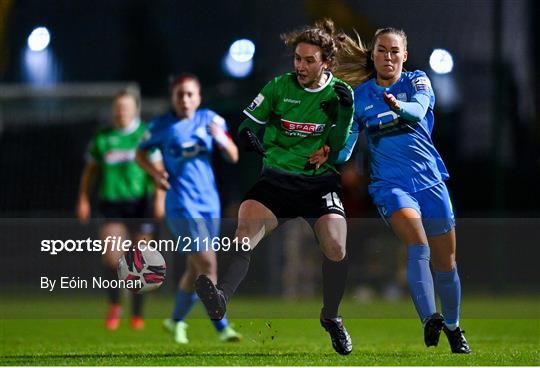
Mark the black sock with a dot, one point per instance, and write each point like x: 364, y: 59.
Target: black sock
x: 137, y: 305
x: 234, y: 273
x: 113, y: 293
x: 334, y: 280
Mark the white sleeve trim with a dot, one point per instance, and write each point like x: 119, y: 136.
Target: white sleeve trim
x: 156, y: 156
x: 254, y: 118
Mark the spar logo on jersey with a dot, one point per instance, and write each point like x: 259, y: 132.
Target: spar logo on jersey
x: 119, y: 156
x: 256, y: 102
x: 302, y: 129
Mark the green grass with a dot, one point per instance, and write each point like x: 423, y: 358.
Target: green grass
x: 390, y: 336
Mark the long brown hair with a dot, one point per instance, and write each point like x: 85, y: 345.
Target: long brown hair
x: 323, y: 34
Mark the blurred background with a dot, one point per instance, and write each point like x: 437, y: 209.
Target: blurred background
x: 62, y: 61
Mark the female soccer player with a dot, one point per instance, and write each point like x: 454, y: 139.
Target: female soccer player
x: 395, y: 108
x: 186, y: 136
x: 299, y: 112
x: 125, y: 191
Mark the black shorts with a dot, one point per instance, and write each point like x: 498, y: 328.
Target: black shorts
x: 135, y: 214
x: 290, y: 196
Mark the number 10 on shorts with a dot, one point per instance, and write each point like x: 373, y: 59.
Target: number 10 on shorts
x: 332, y: 200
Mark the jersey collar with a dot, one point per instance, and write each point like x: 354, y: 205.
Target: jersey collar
x: 131, y: 127
x: 318, y: 89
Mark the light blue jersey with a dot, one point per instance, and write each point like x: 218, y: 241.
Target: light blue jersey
x: 186, y: 146
x: 401, y: 151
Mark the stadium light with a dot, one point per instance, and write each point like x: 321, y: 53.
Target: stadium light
x: 238, y: 62
x: 237, y: 69
x: 39, y: 39
x: 441, y: 61
x: 242, y: 50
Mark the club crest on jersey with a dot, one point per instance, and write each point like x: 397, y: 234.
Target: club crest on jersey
x: 256, y: 102
x: 401, y: 97
x: 302, y: 129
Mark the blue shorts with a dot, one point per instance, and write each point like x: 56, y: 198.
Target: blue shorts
x: 193, y: 233
x: 433, y: 204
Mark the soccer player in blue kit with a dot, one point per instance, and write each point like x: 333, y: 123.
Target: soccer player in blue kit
x: 186, y: 137
x: 395, y: 109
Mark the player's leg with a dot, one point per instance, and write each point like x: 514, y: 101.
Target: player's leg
x: 402, y: 211
x: 184, y: 300
x: 206, y: 264
x: 255, y: 221
x: 331, y: 231
x: 110, y: 266
x: 407, y: 225
x: 439, y: 224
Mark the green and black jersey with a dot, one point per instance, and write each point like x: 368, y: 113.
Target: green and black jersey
x: 114, y: 151
x: 298, y: 121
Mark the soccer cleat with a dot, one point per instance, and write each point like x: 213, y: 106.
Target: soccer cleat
x: 212, y: 298
x: 458, y: 343
x: 113, y: 317
x: 177, y: 329
x: 341, y: 341
x: 432, y: 329
x: 229, y: 335
x: 137, y: 323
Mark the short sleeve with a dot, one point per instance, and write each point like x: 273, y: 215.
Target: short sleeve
x: 150, y: 140
x: 260, y: 108
x: 421, y: 83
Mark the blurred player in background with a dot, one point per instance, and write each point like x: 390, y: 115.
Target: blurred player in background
x: 186, y: 137
x: 125, y: 192
x: 300, y: 112
x: 395, y: 108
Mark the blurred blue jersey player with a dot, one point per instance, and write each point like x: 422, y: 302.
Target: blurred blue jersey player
x: 395, y: 109
x: 186, y: 136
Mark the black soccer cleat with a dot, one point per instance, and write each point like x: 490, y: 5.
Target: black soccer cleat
x: 341, y: 340
x: 432, y: 329
x: 212, y: 298
x: 458, y: 343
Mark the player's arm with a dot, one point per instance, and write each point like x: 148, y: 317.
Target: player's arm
x: 247, y: 133
x: 159, y: 195
x: 159, y: 176
x: 414, y: 111
x: 223, y: 140
x: 87, y: 179
x: 319, y: 157
x: 344, y: 118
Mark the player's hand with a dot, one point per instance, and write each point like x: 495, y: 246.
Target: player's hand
x: 219, y: 134
x: 319, y: 157
x: 251, y: 142
x: 391, y: 101
x: 83, y: 210
x: 344, y: 94
x: 161, y: 180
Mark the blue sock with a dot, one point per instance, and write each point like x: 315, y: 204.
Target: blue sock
x: 448, y: 287
x: 420, y: 280
x: 183, y: 304
x: 221, y: 324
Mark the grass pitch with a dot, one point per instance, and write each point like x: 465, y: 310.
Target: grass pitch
x: 393, y: 336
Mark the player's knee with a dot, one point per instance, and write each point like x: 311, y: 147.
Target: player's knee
x: 206, y: 266
x: 443, y: 265
x: 334, y: 251
x: 242, y: 229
